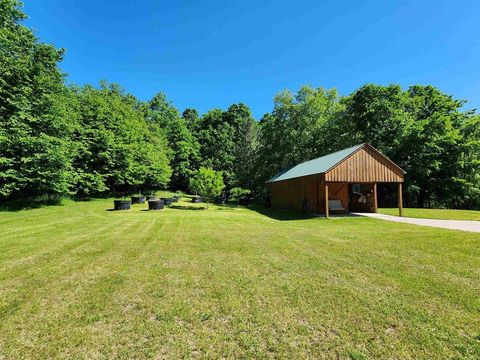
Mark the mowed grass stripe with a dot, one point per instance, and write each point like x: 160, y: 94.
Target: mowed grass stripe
x: 36, y: 276
x: 46, y: 242
x: 238, y: 283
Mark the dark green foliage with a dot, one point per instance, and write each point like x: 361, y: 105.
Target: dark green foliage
x: 185, y: 147
x: 117, y: 150
x: 192, y: 119
x: 35, y: 124
x: 245, y: 151
x: 296, y: 130
x: 227, y: 140
x: 237, y: 193
x: 467, y: 174
x: 56, y: 140
x: 421, y: 129
x: 208, y: 183
x: 217, y: 143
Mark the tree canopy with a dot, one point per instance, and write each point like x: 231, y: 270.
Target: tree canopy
x: 35, y: 123
x: 57, y: 139
x: 116, y: 148
x: 184, y: 147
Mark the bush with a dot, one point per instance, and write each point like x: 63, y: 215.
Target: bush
x: 208, y: 183
x: 237, y: 193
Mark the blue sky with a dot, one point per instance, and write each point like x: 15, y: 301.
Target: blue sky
x: 212, y: 54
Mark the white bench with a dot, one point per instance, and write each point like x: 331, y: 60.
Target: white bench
x: 335, y: 205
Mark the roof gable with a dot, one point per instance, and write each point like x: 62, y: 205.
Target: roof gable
x: 329, y: 164
x: 365, y: 165
x: 316, y: 166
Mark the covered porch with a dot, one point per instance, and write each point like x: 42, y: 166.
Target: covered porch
x: 342, y: 197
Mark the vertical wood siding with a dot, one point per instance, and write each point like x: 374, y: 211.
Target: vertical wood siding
x: 366, y: 165
x: 307, y: 194
x: 299, y: 194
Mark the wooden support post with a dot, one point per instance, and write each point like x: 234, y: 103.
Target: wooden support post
x: 326, y: 201
x: 375, y: 202
x: 400, y: 200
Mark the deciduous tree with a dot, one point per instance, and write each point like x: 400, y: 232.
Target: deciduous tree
x: 35, y: 124
x: 208, y: 183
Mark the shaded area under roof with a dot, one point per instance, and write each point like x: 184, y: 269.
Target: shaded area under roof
x: 315, y: 166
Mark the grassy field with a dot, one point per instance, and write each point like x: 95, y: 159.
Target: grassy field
x: 446, y: 214
x: 78, y: 281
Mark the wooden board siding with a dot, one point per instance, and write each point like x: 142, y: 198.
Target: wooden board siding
x: 366, y: 166
x: 299, y: 194
x: 306, y: 194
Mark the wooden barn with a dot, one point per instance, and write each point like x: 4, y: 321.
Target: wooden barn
x: 339, y: 182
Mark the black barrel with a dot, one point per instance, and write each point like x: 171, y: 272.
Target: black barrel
x: 155, y: 204
x: 167, y: 201
x: 138, y: 199
x: 174, y: 198
x: 121, y: 204
x: 197, y: 199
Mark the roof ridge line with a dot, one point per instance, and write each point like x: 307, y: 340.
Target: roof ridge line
x: 330, y: 160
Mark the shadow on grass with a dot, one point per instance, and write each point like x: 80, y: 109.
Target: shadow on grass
x: 276, y: 214
x: 226, y: 207
x: 211, y: 206
x: 187, y: 207
x: 29, y: 204
x: 281, y: 215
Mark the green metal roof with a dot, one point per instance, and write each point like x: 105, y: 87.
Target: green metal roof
x: 315, y: 166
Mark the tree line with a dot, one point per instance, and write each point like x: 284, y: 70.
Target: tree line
x: 58, y: 139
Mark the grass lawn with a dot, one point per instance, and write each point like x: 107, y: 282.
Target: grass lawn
x: 446, y: 214
x: 77, y: 281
